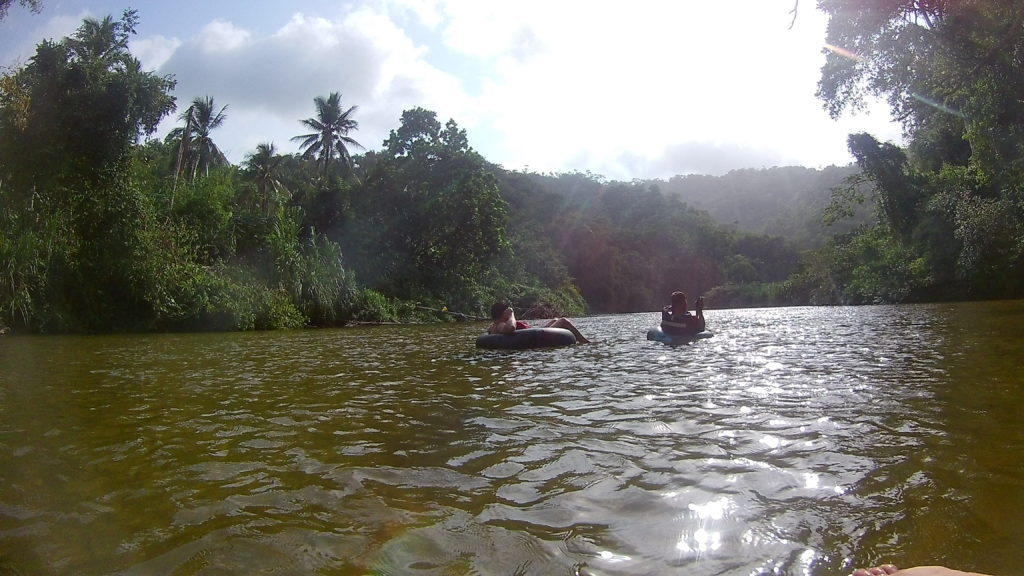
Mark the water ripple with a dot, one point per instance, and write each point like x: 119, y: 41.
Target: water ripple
x: 795, y: 441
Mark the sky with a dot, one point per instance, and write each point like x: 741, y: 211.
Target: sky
x: 640, y: 89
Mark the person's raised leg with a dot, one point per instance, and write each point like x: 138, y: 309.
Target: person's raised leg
x: 563, y: 323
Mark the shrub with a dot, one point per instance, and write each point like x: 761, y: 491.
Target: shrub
x: 372, y: 306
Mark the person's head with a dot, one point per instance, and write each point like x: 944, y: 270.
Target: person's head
x: 499, y: 308
x: 678, y: 302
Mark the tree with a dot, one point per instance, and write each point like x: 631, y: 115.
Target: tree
x: 196, y: 150
x: 952, y: 73
x: 33, y: 5
x: 329, y: 138
x: 933, y: 61
x: 897, y: 189
x: 69, y: 120
x: 463, y: 228
x: 72, y: 115
x: 432, y: 220
x: 417, y: 135
x: 264, y: 168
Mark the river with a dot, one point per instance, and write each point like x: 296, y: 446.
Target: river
x: 802, y: 441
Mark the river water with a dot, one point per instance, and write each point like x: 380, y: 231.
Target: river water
x: 796, y: 441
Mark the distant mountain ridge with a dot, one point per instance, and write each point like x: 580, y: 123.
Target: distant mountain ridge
x: 783, y: 201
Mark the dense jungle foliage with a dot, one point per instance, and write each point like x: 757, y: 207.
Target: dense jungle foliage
x: 102, y: 229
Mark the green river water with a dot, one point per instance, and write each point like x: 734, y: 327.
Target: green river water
x: 796, y: 441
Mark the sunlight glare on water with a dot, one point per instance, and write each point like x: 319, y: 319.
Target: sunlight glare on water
x: 796, y: 441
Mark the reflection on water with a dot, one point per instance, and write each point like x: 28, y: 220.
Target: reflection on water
x: 796, y: 441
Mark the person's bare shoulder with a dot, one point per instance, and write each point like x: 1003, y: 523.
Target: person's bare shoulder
x: 501, y: 328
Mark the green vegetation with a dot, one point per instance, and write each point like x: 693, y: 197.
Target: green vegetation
x: 102, y: 229
x: 950, y: 206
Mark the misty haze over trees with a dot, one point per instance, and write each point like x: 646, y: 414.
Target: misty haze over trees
x: 102, y: 230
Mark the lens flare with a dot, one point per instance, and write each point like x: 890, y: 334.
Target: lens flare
x: 937, y: 105
x: 844, y: 52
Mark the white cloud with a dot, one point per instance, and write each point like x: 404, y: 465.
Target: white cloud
x: 650, y: 89
x: 270, y: 82
x: 598, y: 84
x: 220, y: 36
x: 154, y: 51
x: 643, y: 89
x: 425, y: 12
x: 317, y: 33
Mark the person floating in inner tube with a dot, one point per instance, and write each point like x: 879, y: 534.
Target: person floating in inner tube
x: 676, y: 320
x: 504, y: 322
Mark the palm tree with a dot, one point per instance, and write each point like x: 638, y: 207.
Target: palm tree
x: 264, y: 167
x: 196, y: 149
x: 205, y: 120
x: 330, y: 133
x: 101, y: 40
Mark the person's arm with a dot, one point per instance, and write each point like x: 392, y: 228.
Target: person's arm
x: 666, y: 314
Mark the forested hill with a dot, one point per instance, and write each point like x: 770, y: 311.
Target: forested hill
x: 783, y: 201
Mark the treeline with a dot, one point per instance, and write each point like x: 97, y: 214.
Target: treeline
x: 100, y: 231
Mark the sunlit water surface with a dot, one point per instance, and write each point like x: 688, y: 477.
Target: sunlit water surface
x: 796, y: 441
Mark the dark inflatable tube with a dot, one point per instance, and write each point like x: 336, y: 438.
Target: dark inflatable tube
x: 527, y: 338
x: 660, y: 335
